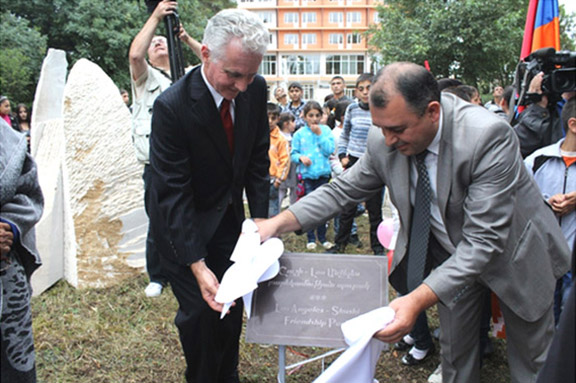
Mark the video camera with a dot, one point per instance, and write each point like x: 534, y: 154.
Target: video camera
x: 559, y: 70
x: 172, y: 23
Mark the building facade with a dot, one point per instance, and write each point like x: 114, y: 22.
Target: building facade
x: 312, y: 41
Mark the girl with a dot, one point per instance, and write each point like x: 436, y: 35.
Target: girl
x: 312, y: 146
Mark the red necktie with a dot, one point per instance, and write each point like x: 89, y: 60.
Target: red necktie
x: 227, y: 122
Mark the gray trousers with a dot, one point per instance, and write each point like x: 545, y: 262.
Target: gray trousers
x: 527, y: 342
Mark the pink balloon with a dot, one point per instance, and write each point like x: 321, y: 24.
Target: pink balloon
x: 385, y: 232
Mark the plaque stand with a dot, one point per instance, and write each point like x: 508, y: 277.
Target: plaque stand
x: 282, y: 368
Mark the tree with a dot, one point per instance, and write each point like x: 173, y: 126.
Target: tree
x: 476, y: 41
x: 98, y: 30
x: 23, y: 49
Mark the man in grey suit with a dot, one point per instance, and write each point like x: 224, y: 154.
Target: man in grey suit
x: 489, y: 226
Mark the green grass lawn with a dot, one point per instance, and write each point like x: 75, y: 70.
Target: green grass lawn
x: 118, y: 335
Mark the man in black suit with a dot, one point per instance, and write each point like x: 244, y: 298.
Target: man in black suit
x: 202, y: 159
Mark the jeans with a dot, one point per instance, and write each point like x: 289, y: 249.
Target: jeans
x: 320, y: 232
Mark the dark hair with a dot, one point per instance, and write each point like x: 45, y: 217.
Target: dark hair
x: 508, y: 94
x: 284, y: 118
x: 568, y: 112
x: 413, y: 82
x: 364, y: 77
x: 295, y: 84
x: 459, y: 92
x: 272, y: 108
x: 310, y: 105
x: 445, y: 83
x: 336, y: 78
x: 340, y: 109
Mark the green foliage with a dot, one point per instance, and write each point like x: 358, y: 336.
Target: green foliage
x: 23, y: 49
x: 567, y: 30
x: 98, y: 30
x: 475, y: 41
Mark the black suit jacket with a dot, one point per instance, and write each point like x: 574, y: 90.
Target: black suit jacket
x: 194, y: 178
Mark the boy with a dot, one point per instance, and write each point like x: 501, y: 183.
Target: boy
x: 279, y: 158
x: 554, y: 169
x: 351, y: 146
x: 296, y: 103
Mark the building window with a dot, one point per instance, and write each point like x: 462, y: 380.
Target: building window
x: 353, y: 17
x: 335, y: 17
x: 354, y: 38
x: 291, y: 17
x: 266, y: 17
x: 291, y: 39
x: 344, y: 64
x: 336, y: 38
x: 268, y: 65
x: 309, y: 38
x: 300, y: 65
x: 309, y: 17
x: 307, y: 92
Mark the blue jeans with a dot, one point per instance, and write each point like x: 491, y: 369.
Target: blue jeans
x: 561, y: 293
x: 274, y: 204
x: 320, y: 232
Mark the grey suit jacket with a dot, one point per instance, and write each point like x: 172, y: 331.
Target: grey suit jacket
x: 505, y: 235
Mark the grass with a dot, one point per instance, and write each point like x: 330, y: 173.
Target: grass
x: 117, y: 335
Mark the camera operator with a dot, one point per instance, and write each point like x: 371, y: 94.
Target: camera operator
x: 149, y: 79
x: 539, y: 125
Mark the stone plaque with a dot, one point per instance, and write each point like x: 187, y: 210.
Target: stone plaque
x: 312, y: 295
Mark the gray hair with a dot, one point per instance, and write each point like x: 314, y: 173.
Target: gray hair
x: 235, y: 23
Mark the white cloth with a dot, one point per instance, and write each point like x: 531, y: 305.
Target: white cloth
x: 358, y: 363
x: 253, y: 263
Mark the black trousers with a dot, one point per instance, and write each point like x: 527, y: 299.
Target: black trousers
x: 374, y: 207
x: 153, y: 266
x: 210, y: 345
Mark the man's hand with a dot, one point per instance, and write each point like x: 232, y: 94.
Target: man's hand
x: 345, y: 161
x: 273, y: 227
x: 164, y: 8
x: 563, y: 203
x: 407, y: 309
x: 208, y: 284
x: 6, y: 238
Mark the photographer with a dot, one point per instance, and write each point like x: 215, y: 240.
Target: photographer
x: 149, y: 79
x: 539, y: 125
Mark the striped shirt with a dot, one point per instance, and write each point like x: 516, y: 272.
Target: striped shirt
x: 357, y: 122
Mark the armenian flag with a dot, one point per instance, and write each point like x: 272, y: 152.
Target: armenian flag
x: 542, y: 27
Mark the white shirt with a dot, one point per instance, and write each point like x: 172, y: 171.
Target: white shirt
x: 437, y: 224
x: 218, y: 98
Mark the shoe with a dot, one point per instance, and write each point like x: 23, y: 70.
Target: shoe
x: 410, y: 360
x: 153, y: 289
x: 335, y: 249
x: 402, y: 346
x: 327, y: 245
x: 311, y: 246
x: 436, y: 376
x: 355, y: 241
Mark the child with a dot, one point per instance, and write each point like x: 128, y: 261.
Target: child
x: 296, y: 103
x: 287, y: 125
x: 279, y: 159
x: 311, y: 147
x: 351, y: 146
